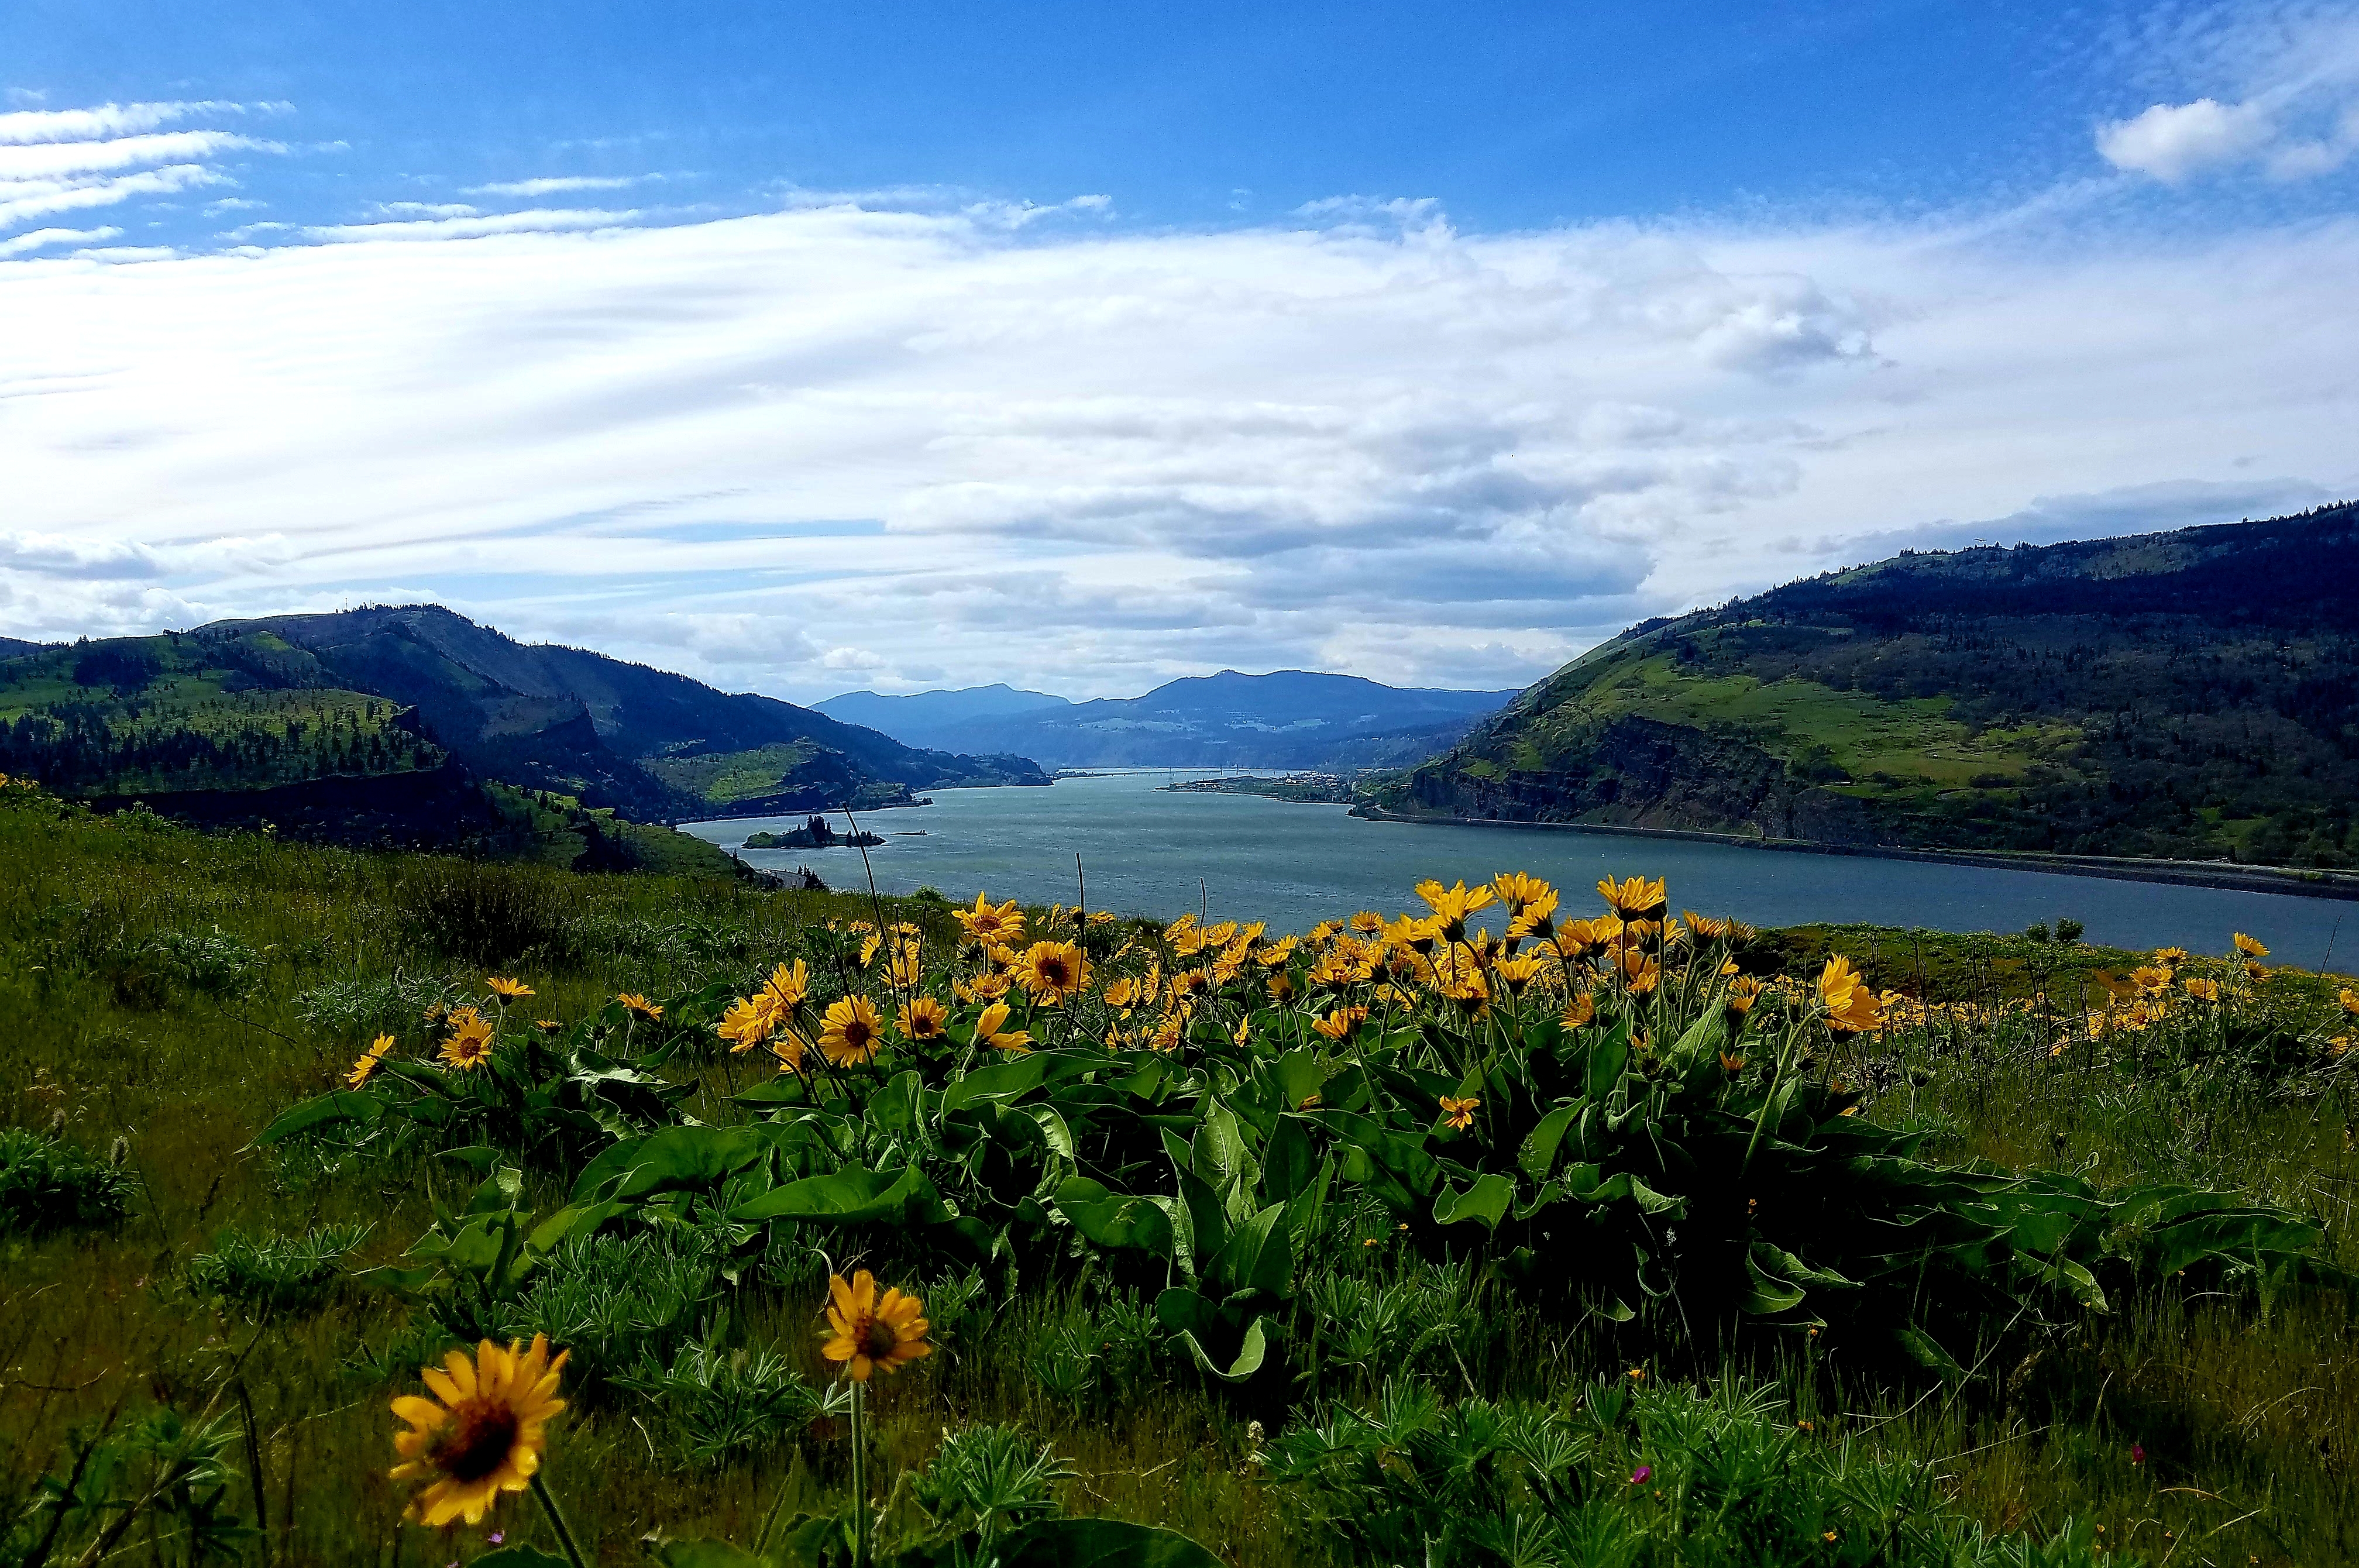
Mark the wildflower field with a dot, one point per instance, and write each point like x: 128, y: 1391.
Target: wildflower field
x: 398, y: 1209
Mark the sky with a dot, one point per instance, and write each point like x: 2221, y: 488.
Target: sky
x: 807, y: 348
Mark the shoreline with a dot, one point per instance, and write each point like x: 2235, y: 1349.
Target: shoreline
x: 2290, y: 882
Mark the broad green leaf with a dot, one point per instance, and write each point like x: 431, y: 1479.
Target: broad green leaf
x: 329, y: 1109
x: 850, y: 1196
x: 1002, y: 1081
x: 1258, y: 1256
x: 1485, y: 1202
x: 1606, y: 1059
x: 1287, y: 1163
x: 1116, y: 1219
x: 1217, y: 1154
x: 1538, y: 1155
x: 1767, y: 1295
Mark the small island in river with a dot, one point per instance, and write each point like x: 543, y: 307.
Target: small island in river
x: 813, y: 835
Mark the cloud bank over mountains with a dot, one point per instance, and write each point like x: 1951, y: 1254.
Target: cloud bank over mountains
x: 904, y: 437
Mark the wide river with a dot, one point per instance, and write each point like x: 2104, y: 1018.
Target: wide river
x: 1150, y: 851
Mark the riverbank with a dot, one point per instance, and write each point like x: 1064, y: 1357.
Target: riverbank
x: 2295, y: 881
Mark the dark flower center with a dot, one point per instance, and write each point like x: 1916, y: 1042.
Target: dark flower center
x: 478, y: 1441
x: 1053, y: 973
x: 877, y: 1339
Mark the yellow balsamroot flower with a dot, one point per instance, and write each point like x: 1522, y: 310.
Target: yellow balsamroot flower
x: 1451, y: 905
x: 2250, y: 946
x: 790, y: 986
x: 1367, y: 922
x: 1221, y: 935
x: 638, y: 1006
x: 1459, y: 1114
x: 1704, y: 926
x: 1536, y: 916
x: 2150, y: 978
x: 1338, y: 1025
x: 2202, y: 990
x: 362, y: 1069
x: 746, y: 1024
x: 1468, y: 988
x: 1516, y: 973
x: 922, y: 1018
x: 471, y: 1040
x: 1731, y: 1062
x: 1242, y: 1033
x: 1168, y: 1033
x: 506, y: 990
x: 1634, y: 898
x: 791, y: 1048
x: 1124, y: 992
x: 1282, y: 988
x: 2169, y: 956
x: 1277, y: 953
x: 1517, y: 889
x: 1743, y: 992
x: 485, y: 1436
x: 868, y: 1334
x: 1577, y: 1011
x: 849, y: 1032
x: 987, y: 1031
x: 868, y: 946
x: 1052, y: 971
x: 1640, y: 972
x: 2350, y: 999
x: 905, y: 971
x: 1851, y: 1005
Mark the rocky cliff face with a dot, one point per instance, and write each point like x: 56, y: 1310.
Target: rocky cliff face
x: 1636, y: 772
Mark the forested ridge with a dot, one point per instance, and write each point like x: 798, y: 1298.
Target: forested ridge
x: 2193, y: 694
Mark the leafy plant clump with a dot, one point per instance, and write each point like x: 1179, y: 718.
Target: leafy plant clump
x: 47, y: 1184
x: 275, y: 1274
x: 1633, y: 1477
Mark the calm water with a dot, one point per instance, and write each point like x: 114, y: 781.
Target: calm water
x: 1155, y: 852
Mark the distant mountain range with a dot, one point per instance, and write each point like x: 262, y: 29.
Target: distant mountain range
x: 390, y: 724
x: 1290, y: 718
x: 2193, y: 694
x: 925, y: 718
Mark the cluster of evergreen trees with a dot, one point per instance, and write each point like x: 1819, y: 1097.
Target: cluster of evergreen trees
x: 83, y: 748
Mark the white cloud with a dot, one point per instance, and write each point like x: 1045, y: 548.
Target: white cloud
x: 539, y: 220
x: 559, y: 183
x: 106, y: 120
x: 66, y: 160
x: 24, y: 198
x: 45, y: 239
x: 2173, y: 141
x: 51, y: 160
x: 1090, y: 462
x: 2289, y: 107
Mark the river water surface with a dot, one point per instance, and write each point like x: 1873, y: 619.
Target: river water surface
x: 1149, y: 851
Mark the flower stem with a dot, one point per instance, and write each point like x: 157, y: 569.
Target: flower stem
x: 859, y: 1476
x: 547, y: 1501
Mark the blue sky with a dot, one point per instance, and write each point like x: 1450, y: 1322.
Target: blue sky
x: 805, y: 347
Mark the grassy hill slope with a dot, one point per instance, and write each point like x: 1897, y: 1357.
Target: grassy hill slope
x: 580, y: 722
x: 2190, y: 694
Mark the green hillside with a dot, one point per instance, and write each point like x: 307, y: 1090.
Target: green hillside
x: 241, y: 729
x: 2193, y: 694
x: 160, y: 714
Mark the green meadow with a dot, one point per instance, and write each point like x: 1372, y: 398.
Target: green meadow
x: 1633, y: 1239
